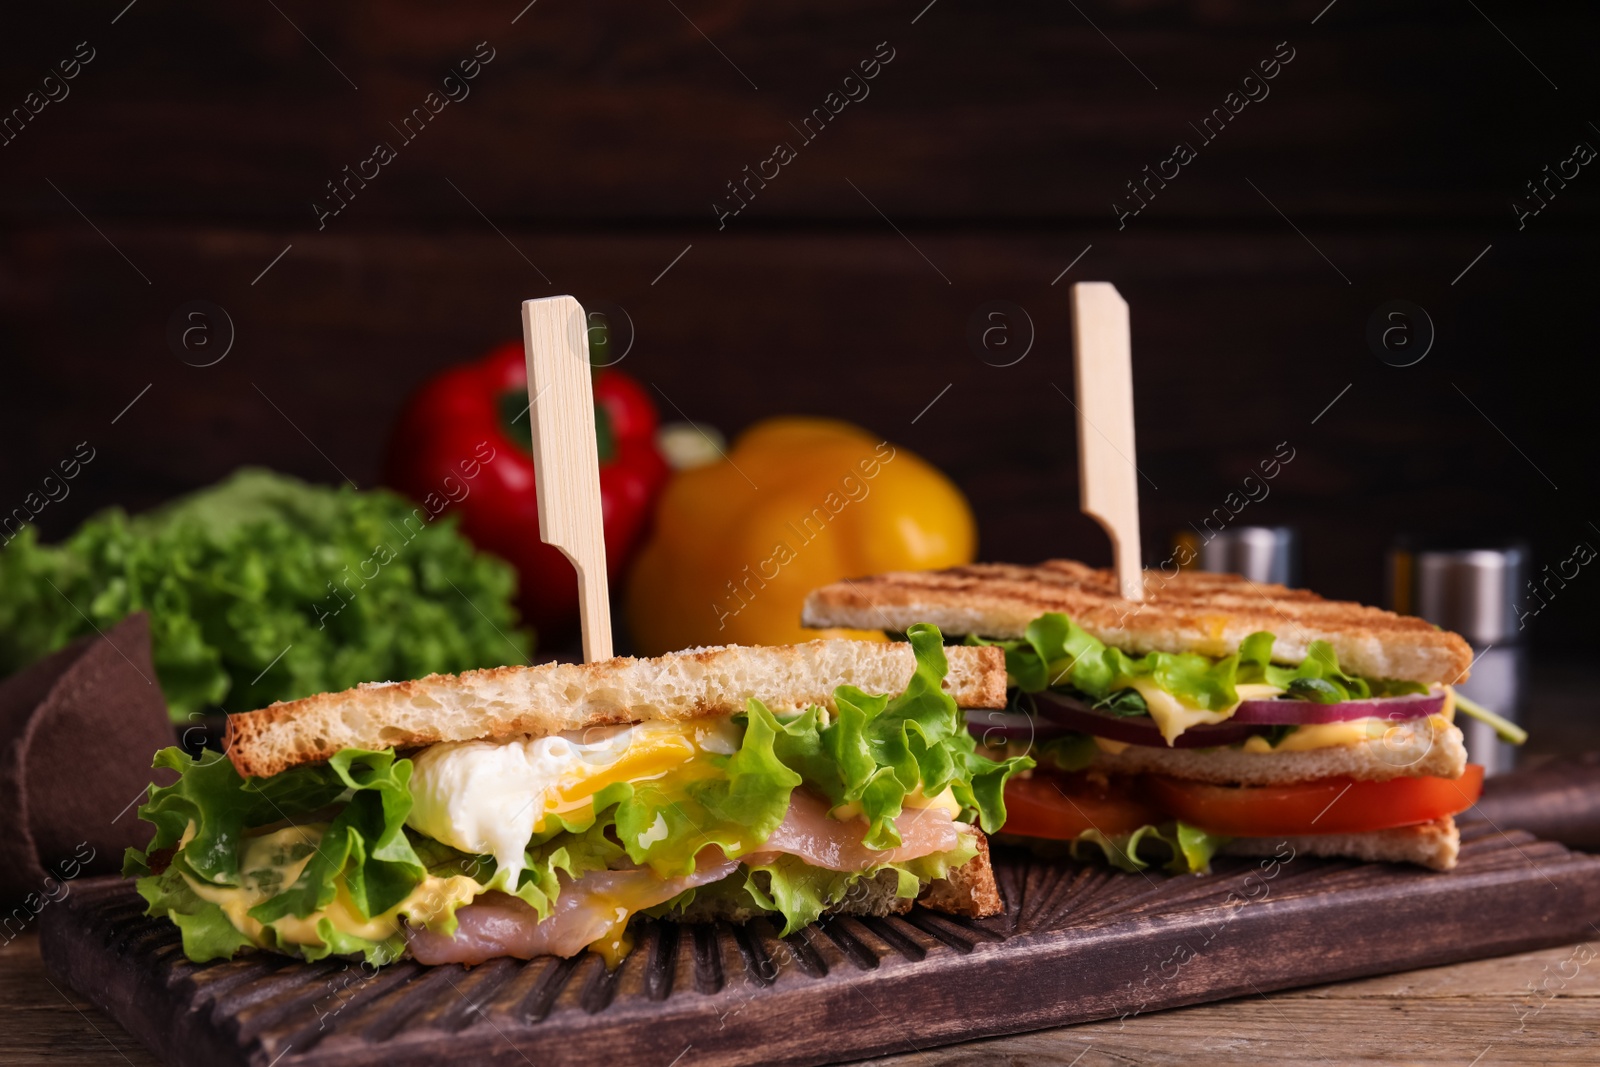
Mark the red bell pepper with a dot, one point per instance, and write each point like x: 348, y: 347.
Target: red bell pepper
x: 463, y: 441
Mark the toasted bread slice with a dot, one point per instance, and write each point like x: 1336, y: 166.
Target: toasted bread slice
x: 874, y: 897
x: 1434, y: 845
x: 1412, y: 749
x: 508, y: 701
x: 970, y: 890
x: 1190, y: 611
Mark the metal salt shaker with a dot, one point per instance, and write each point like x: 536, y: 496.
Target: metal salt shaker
x: 1260, y: 553
x: 1473, y: 591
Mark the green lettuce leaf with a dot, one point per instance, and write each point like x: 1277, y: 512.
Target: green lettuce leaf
x: 1123, y: 703
x: 366, y: 843
x: 800, y: 893
x: 335, y: 943
x: 1179, y: 847
x: 207, y: 933
x: 796, y: 890
x: 1056, y: 653
x: 878, y: 749
x: 1317, y: 678
x: 1274, y: 735
x: 206, y: 794
x: 210, y: 794
x: 354, y: 585
x: 736, y: 810
x: 573, y: 846
x: 1070, y: 752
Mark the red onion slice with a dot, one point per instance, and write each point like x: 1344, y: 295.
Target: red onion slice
x: 998, y: 727
x: 1310, y: 713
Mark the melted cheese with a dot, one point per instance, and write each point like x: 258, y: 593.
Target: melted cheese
x: 1332, y: 735
x: 274, y: 861
x: 945, y: 800
x: 491, y: 797
x: 1173, y: 716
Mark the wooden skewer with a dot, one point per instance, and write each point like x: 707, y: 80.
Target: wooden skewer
x: 1107, y: 473
x: 566, y: 460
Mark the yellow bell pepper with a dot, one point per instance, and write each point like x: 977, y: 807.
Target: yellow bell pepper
x: 796, y: 504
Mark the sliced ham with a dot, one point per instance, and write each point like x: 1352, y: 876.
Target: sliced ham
x: 808, y: 832
x: 594, y: 908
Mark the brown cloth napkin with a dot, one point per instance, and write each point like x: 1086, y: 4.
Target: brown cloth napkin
x: 77, y: 733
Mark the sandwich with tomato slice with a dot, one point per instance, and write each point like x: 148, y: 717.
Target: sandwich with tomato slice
x: 531, y: 811
x: 1217, y: 714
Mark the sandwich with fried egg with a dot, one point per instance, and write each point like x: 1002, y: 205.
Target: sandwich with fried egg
x: 530, y: 811
x: 1217, y: 714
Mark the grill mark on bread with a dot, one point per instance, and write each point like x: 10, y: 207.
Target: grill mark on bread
x: 1192, y: 611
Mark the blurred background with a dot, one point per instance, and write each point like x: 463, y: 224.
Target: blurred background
x: 1427, y: 152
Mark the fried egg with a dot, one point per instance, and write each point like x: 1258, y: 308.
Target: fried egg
x: 491, y: 797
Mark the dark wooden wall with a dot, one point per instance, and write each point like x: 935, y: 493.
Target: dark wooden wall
x: 986, y: 157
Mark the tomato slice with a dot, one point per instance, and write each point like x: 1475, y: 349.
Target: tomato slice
x: 1323, y: 806
x: 1061, y: 806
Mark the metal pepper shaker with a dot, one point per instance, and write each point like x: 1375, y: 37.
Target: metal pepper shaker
x: 1473, y: 591
x: 1260, y: 553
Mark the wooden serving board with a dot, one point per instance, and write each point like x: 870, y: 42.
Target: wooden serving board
x: 1074, y: 944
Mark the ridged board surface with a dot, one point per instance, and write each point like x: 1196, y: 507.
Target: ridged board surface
x: 1075, y: 943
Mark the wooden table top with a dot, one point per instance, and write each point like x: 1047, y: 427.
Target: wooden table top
x: 1537, y: 1007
